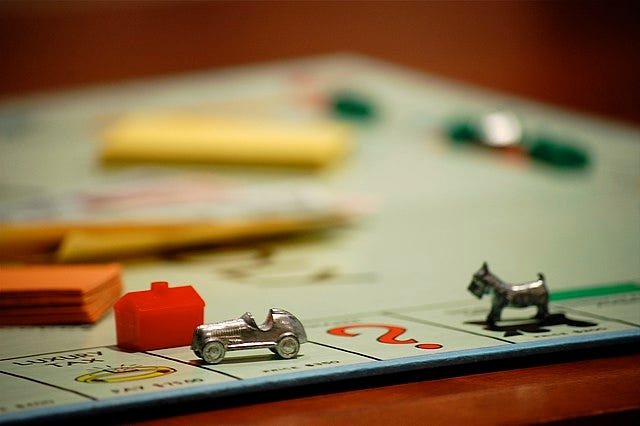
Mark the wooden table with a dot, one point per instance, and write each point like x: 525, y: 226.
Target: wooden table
x: 580, y: 55
x: 584, y: 391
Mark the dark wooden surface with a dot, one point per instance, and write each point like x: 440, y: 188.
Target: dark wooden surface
x: 581, y: 55
x: 577, y: 54
x: 588, y: 391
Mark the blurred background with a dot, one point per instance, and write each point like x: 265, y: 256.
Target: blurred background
x: 582, y: 55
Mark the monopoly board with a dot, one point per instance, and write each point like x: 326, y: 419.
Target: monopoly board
x: 387, y: 294
x: 394, y: 340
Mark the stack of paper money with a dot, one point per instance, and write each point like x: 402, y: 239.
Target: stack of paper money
x: 150, y: 214
x: 57, y: 294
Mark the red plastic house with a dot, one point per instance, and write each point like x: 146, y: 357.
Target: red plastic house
x: 162, y: 317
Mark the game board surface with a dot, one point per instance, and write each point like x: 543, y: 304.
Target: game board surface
x: 386, y: 294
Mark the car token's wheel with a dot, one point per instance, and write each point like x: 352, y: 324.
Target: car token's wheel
x: 213, y: 352
x: 288, y: 347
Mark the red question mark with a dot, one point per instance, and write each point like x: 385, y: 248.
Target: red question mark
x: 390, y: 337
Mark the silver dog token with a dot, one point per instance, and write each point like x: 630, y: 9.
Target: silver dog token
x: 534, y: 293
